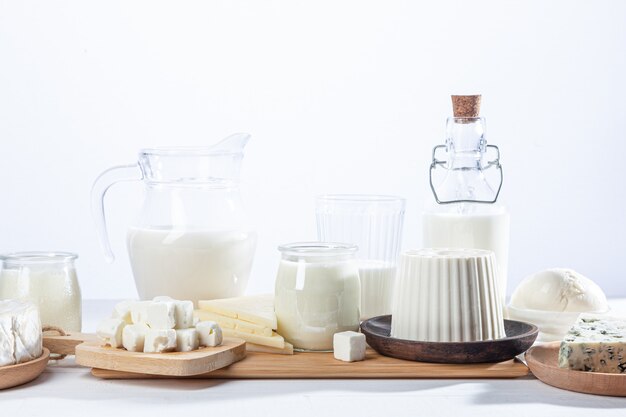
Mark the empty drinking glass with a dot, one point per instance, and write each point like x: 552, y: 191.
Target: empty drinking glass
x: 374, y: 224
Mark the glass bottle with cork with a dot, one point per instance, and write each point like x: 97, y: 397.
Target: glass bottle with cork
x: 466, y: 184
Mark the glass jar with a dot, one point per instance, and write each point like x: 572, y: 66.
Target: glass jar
x: 47, y: 279
x: 317, y: 293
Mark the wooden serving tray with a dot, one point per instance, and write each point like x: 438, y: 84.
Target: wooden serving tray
x: 325, y: 366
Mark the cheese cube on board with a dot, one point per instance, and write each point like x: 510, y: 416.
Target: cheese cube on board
x: 161, y: 315
x: 595, y: 344
x: 20, y: 332
x: 122, y: 311
x: 231, y: 323
x: 110, y: 331
x: 275, y: 340
x: 257, y: 309
x: 139, y: 311
x: 187, y: 340
x: 133, y: 337
x: 349, y: 346
x: 210, y: 333
x: 184, y: 314
x: 160, y: 340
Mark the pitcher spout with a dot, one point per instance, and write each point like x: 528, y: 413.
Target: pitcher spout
x: 233, y: 144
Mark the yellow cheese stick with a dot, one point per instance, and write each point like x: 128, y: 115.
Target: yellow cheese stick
x: 231, y: 323
x: 275, y: 340
x: 287, y: 350
x: 258, y: 309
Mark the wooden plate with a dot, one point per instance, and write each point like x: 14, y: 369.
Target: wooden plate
x: 543, y: 363
x: 90, y: 352
x: 520, y: 337
x: 14, y: 375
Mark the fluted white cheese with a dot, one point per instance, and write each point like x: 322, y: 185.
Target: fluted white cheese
x: 20, y: 332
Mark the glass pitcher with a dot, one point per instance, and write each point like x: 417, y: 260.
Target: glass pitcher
x: 192, y: 239
x: 466, y: 184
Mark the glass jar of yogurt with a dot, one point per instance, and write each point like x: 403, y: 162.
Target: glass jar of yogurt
x: 47, y: 279
x: 317, y: 293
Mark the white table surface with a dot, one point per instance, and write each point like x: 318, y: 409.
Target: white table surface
x: 69, y: 390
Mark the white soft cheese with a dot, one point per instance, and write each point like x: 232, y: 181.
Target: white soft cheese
x: 133, y: 337
x: 111, y: 331
x: 559, y: 289
x: 184, y: 314
x: 20, y: 332
x: 139, y: 311
x: 161, y: 315
x: 187, y: 340
x: 210, y: 333
x: 122, y: 311
x: 160, y: 340
x: 349, y: 346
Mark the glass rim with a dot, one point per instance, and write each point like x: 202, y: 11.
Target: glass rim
x: 446, y: 252
x: 37, y: 257
x: 360, y: 198
x: 198, y: 151
x: 318, y: 249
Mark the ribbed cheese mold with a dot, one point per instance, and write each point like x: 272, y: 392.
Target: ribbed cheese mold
x: 447, y: 295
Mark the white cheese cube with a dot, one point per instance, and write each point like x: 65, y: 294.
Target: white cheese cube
x: 160, y: 340
x: 187, y: 340
x: 184, y: 314
x: 161, y: 315
x: 210, y: 333
x: 133, y: 337
x: 139, y: 311
x: 122, y: 311
x: 110, y: 331
x: 349, y: 346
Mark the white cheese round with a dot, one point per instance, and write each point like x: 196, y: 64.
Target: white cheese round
x: 20, y: 332
x: 559, y: 289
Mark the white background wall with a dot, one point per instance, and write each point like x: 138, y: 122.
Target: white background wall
x: 340, y: 96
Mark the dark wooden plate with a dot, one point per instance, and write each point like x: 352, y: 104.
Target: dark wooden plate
x: 520, y: 337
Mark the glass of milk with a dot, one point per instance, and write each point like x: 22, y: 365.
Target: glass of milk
x: 47, y: 279
x: 317, y: 293
x: 374, y: 224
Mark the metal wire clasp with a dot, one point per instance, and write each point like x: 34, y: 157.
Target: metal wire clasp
x: 494, y: 163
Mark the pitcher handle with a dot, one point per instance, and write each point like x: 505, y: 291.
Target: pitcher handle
x: 100, y: 186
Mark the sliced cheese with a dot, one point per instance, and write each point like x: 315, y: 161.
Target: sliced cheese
x: 253, y: 347
x: 231, y: 323
x: 258, y: 309
x: 275, y: 340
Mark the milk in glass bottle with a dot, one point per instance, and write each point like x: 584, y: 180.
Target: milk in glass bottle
x: 466, y: 184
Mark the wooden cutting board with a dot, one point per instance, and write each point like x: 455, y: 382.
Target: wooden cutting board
x: 90, y: 352
x: 325, y: 366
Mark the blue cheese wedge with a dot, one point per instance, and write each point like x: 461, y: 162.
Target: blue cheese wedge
x: 595, y: 344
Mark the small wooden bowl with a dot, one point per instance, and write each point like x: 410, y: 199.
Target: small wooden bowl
x: 520, y: 337
x: 14, y: 375
x: 543, y: 363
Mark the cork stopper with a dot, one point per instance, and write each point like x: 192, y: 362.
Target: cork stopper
x: 466, y: 106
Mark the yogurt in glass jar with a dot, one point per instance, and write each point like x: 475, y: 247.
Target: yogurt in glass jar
x: 317, y: 293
